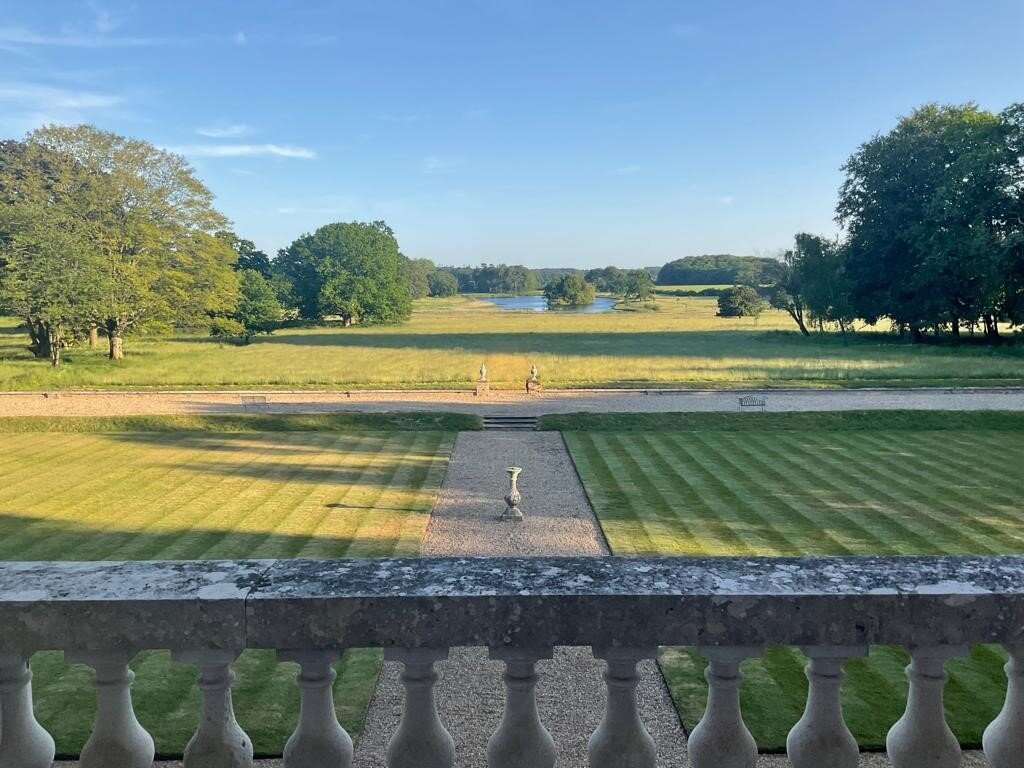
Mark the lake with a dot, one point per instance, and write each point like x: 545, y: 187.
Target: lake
x: 540, y: 304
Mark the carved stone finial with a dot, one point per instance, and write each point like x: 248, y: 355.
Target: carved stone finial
x: 483, y: 372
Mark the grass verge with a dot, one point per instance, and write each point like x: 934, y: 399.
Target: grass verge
x: 842, y: 421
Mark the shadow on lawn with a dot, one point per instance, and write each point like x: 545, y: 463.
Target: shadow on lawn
x: 29, y: 538
x: 752, y: 342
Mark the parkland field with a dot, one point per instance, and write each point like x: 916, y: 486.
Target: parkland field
x: 215, y: 488
x: 896, y: 483
x: 676, y: 342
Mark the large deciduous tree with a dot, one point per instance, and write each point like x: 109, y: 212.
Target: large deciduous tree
x: 51, y: 276
x: 353, y: 271
x: 929, y: 212
x: 151, y: 225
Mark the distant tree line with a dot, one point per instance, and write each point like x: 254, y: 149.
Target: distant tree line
x: 716, y: 269
x: 495, y: 278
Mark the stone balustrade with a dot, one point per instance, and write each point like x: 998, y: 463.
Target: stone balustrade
x: 207, y: 612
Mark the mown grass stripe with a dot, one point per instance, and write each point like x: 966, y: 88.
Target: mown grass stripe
x: 687, y: 505
x: 807, y: 496
x: 927, y: 460
x: 895, y: 522
x: 799, y: 530
x: 747, y: 523
x: 918, y: 472
x: 918, y: 504
x: 626, y: 533
x: 284, y: 478
x: 852, y: 484
x: 661, y: 498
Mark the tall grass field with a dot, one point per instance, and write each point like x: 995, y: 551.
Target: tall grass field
x: 812, y: 484
x: 672, y: 342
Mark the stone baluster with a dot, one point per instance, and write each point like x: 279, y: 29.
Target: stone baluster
x: 421, y: 741
x: 117, y: 740
x: 219, y: 742
x: 721, y: 739
x: 821, y: 736
x: 319, y: 741
x: 521, y: 740
x: 921, y: 738
x: 1004, y: 738
x: 24, y: 743
x: 621, y: 741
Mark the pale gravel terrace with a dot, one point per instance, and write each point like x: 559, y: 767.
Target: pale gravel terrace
x: 113, y: 403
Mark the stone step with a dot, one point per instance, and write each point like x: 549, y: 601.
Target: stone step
x: 510, y: 422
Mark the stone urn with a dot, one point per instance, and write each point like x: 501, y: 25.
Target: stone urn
x: 513, y: 498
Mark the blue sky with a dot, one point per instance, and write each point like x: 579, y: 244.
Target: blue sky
x: 545, y: 132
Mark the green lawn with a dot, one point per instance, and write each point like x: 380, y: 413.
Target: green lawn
x: 812, y: 484
x: 683, y: 343
x: 204, y: 493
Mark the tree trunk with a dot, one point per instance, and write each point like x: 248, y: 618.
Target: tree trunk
x: 991, y: 328
x: 116, y: 340
x: 798, y: 318
x: 53, y: 341
x: 40, y: 345
x: 955, y: 327
x: 94, y: 336
x: 916, y: 336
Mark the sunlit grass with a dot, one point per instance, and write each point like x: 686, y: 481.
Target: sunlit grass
x: 681, y: 344
x: 769, y: 490
x: 208, y: 495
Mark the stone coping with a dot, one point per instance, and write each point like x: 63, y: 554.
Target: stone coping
x: 524, y: 602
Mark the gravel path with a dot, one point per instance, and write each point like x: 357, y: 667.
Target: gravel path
x: 558, y: 521
x: 554, y: 401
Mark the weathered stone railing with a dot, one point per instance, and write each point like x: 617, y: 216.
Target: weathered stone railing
x: 102, y: 614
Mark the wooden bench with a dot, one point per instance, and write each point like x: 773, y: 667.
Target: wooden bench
x: 753, y: 401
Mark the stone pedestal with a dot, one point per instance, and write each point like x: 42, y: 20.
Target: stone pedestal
x: 533, y: 387
x: 482, y: 387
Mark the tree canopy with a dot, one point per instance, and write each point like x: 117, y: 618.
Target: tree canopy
x: 127, y: 224
x: 933, y: 218
x: 741, y: 301
x: 353, y: 271
x: 570, y: 290
x: 718, y: 268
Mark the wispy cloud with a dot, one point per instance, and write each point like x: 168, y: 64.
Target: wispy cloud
x: 726, y: 199
x: 626, y: 170
x: 244, y: 150
x: 20, y: 36
x: 239, y: 38
x: 243, y: 172
x: 225, y: 131
x: 432, y: 164
x: 48, y: 98
x: 26, y: 106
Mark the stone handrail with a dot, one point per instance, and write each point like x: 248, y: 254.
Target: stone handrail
x: 309, y: 611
